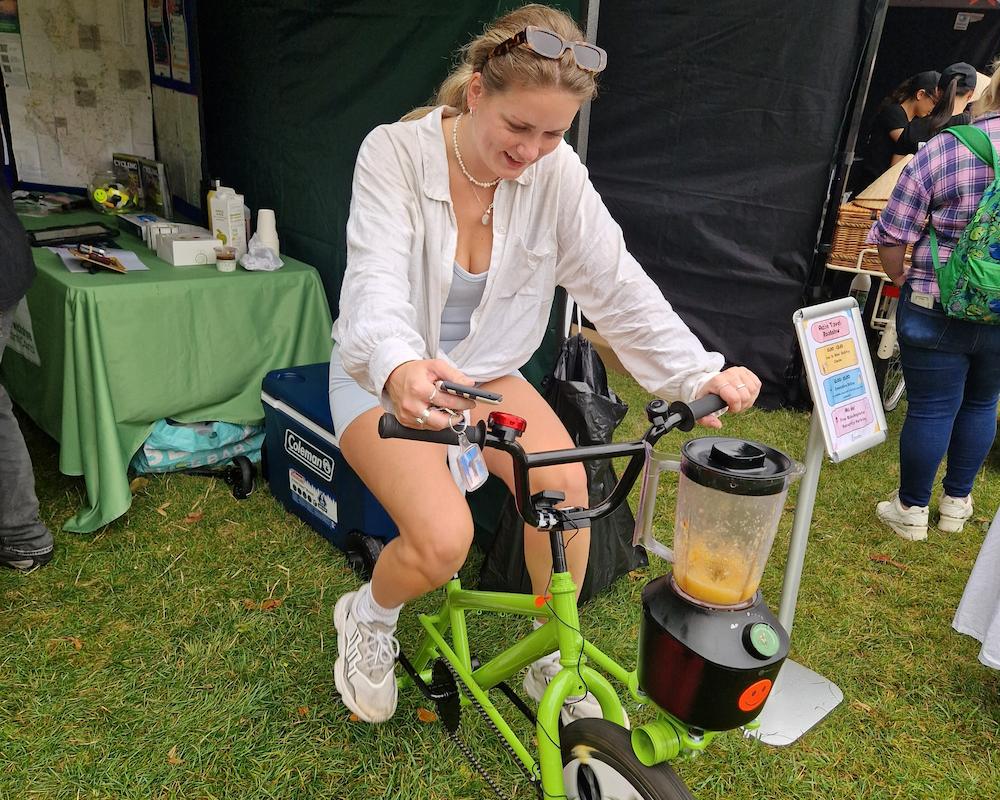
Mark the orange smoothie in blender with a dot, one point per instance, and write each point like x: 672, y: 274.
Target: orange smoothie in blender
x: 715, y: 575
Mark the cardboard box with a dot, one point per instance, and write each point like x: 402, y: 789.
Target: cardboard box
x: 186, y: 248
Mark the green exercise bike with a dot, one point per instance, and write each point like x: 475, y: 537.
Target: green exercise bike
x: 709, y: 648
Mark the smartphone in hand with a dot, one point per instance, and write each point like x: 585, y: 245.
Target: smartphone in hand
x: 470, y: 393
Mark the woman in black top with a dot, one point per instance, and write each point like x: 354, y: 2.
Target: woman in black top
x: 912, y: 99
x: 955, y: 91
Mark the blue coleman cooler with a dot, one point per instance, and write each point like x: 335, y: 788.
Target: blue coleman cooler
x: 304, y: 467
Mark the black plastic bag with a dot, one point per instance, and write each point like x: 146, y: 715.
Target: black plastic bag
x: 578, y: 391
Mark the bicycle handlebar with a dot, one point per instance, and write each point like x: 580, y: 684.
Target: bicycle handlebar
x: 663, y: 418
x: 391, y: 428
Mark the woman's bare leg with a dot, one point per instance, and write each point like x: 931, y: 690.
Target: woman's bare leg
x: 413, y: 483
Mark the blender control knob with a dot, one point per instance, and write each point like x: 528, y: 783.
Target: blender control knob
x: 762, y: 640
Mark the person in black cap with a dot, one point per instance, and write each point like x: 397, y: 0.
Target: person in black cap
x: 956, y: 88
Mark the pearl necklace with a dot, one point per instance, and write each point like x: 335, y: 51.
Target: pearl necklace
x: 481, y: 184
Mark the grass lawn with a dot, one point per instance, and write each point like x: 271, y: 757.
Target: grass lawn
x: 141, y: 664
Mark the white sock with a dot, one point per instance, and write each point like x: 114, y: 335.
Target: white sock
x: 368, y: 611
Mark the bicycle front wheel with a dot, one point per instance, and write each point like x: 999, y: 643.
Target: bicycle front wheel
x: 599, y: 764
x: 893, y: 385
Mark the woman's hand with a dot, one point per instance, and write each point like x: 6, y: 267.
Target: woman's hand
x: 737, y: 386
x: 416, y: 398
x: 893, y: 261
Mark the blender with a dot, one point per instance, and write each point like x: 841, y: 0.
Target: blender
x: 709, y: 647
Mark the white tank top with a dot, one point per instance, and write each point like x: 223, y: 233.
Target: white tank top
x: 464, y: 297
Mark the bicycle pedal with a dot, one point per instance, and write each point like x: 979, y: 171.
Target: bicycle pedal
x: 444, y: 692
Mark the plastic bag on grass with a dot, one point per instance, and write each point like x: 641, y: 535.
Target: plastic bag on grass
x: 175, y: 446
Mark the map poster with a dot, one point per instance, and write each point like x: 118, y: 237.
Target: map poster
x: 841, y: 379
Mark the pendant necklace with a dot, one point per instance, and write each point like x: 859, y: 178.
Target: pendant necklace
x: 482, y: 184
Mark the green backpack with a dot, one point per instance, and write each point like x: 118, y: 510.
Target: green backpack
x: 970, y: 280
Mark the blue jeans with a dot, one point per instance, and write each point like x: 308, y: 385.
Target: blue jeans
x: 952, y: 372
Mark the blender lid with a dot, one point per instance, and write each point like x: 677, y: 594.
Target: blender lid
x: 736, y: 466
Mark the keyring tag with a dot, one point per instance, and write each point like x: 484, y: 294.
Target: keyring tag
x: 471, y: 464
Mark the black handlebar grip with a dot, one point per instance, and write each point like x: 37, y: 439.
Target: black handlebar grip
x: 694, y: 411
x: 391, y: 428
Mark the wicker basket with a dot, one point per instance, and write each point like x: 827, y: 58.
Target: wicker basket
x: 853, y: 223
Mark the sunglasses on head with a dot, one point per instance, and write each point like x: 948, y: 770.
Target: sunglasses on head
x: 547, y: 44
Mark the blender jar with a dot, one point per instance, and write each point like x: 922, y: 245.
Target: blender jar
x: 730, y: 497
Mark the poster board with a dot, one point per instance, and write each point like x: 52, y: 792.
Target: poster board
x: 841, y: 379
x: 85, y: 92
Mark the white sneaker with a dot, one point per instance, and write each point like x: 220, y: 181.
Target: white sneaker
x: 954, y: 512
x: 538, y: 676
x: 366, y: 657
x: 909, y: 523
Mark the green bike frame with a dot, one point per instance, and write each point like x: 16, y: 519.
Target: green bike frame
x: 583, y: 665
x: 654, y: 743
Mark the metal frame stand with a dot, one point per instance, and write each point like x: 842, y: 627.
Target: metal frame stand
x: 800, y: 697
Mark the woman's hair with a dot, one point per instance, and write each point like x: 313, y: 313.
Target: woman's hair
x: 956, y: 79
x: 908, y: 89
x: 990, y: 98
x: 520, y: 67
x: 944, y: 108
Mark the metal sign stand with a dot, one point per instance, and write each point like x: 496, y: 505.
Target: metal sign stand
x: 847, y: 419
x: 800, y: 697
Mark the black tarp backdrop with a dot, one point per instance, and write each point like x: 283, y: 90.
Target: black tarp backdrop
x: 712, y: 144
x: 918, y: 39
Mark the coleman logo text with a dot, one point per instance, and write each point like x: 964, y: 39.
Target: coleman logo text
x: 301, y: 450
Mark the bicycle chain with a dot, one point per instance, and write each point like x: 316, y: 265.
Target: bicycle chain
x: 493, y: 726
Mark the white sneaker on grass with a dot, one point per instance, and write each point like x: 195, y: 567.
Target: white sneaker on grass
x: 541, y: 673
x: 954, y: 511
x: 366, y: 657
x: 909, y: 523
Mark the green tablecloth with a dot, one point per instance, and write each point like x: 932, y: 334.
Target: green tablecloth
x: 118, y: 352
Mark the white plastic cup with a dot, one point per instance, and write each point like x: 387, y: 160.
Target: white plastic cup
x: 267, y: 232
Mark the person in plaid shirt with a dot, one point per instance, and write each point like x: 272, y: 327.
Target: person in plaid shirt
x: 951, y: 367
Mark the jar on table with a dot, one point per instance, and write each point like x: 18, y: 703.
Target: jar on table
x: 225, y: 258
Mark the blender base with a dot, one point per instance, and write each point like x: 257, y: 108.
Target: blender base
x: 800, y: 698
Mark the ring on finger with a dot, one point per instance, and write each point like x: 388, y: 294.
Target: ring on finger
x: 741, y: 386
x: 423, y: 417
x: 433, y: 394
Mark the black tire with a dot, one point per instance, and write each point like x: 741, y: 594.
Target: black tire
x: 611, y: 766
x: 362, y: 551
x: 242, y: 477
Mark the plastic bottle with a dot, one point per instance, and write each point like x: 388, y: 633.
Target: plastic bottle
x: 860, y: 287
x: 209, y: 197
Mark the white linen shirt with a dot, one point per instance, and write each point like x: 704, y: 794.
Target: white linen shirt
x: 549, y: 227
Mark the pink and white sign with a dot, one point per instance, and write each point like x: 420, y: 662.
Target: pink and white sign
x: 826, y: 330
x: 852, y: 416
